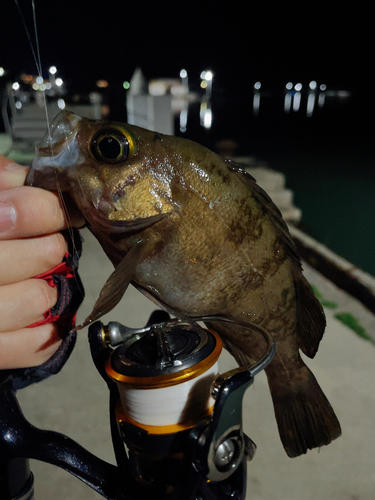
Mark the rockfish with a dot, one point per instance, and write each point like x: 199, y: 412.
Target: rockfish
x: 197, y: 235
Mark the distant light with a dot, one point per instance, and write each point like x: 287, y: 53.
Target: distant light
x: 209, y: 75
x: 287, y: 101
x: 39, y: 79
x: 2, y: 71
x: 126, y: 85
x: 59, y: 82
x: 296, y: 101
x: 203, y: 75
x: 310, y: 104
x: 204, y: 84
x: 343, y: 94
x: 35, y: 86
x: 27, y: 78
x: 298, y: 87
x: 207, y: 118
x: 313, y: 85
x: 289, y: 86
x: 157, y: 88
x: 183, y: 73
x: 61, y: 103
x: 18, y: 104
x: 323, y: 87
x: 15, y: 86
x: 102, y: 84
x: 183, y: 120
x: 257, y: 85
x: 42, y: 87
x: 48, y: 85
x: 53, y: 70
x: 256, y: 103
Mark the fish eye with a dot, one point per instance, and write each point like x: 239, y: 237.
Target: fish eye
x: 111, y: 145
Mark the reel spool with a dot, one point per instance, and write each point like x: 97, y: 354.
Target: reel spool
x: 164, y: 377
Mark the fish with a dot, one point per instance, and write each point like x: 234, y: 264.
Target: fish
x: 195, y: 233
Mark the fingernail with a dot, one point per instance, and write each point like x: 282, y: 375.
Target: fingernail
x: 8, y: 216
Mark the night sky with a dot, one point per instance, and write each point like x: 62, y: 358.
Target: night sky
x: 242, y: 42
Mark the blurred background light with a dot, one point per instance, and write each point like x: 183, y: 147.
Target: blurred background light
x: 102, y: 84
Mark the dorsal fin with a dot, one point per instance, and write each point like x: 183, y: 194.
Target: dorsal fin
x: 270, y: 208
x: 310, y: 316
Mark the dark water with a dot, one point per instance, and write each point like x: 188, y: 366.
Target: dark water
x: 328, y: 160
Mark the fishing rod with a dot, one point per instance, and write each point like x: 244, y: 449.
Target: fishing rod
x: 176, y: 423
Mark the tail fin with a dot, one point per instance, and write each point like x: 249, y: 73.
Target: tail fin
x: 304, y: 417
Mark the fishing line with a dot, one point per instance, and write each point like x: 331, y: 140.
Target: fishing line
x: 38, y: 65
x: 36, y: 54
x: 69, y: 228
x: 28, y: 36
x: 36, y: 37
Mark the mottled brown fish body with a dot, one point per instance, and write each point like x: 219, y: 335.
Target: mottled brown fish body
x: 210, y: 242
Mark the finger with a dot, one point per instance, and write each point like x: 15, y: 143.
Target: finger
x: 23, y: 259
x: 28, y: 346
x: 11, y: 174
x: 23, y: 304
x: 27, y: 211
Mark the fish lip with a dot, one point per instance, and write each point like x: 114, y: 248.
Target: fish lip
x: 124, y: 226
x: 56, y: 152
x: 62, y: 128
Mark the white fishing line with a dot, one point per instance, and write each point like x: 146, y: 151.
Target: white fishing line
x: 176, y: 404
x: 38, y: 64
x: 36, y: 53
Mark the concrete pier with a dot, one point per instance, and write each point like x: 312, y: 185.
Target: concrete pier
x: 75, y: 402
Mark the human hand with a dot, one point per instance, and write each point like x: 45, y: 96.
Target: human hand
x: 30, y: 244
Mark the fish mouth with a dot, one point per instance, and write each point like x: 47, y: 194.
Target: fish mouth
x: 56, y: 152
x: 63, y: 127
x: 134, y: 226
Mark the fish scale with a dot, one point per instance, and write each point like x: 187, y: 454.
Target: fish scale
x: 198, y: 236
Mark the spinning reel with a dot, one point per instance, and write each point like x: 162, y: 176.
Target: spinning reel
x: 176, y: 423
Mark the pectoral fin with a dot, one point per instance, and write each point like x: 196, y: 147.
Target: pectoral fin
x: 116, y: 285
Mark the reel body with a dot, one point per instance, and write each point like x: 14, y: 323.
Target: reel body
x: 176, y: 423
